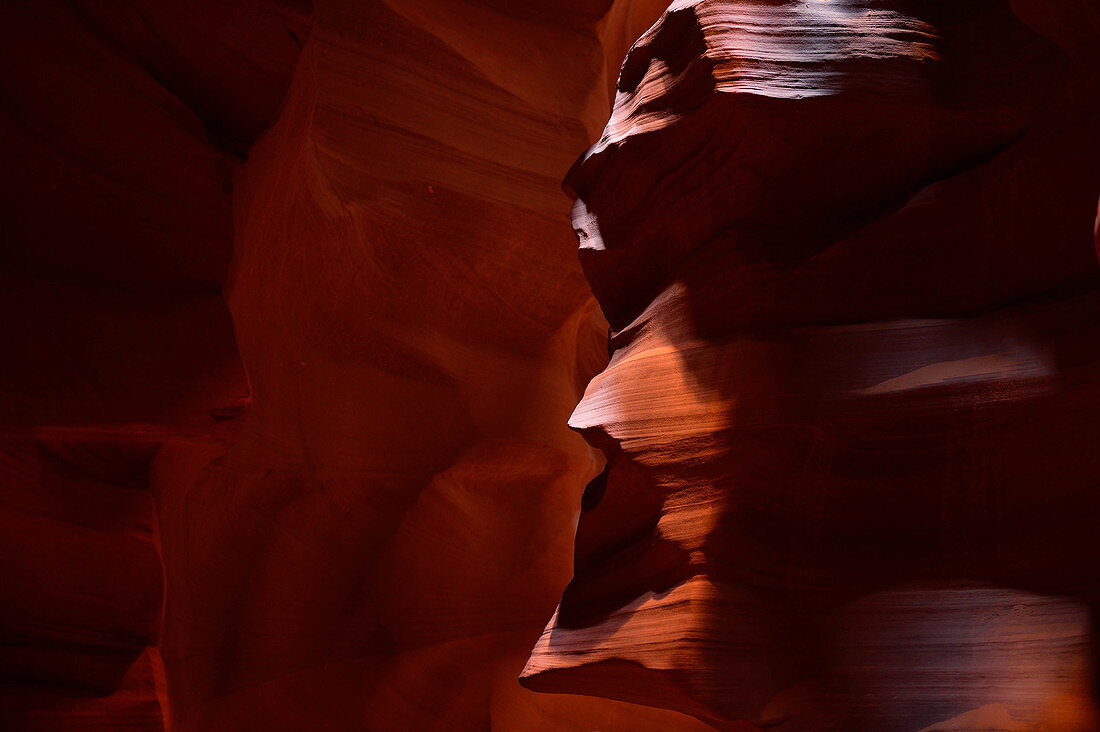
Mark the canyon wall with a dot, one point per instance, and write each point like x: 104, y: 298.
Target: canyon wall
x: 351, y: 495
x: 846, y: 251
x: 121, y: 127
x: 378, y: 541
x: 294, y: 326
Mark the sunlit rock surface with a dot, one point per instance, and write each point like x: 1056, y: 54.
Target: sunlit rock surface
x: 846, y: 250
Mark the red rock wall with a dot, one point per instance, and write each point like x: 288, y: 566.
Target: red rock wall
x: 295, y: 324
x: 846, y: 250
x: 381, y: 545
x: 380, y: 540
x: 119, y: 143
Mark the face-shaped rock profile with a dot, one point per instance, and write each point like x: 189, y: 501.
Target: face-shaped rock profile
x: 846, y: 250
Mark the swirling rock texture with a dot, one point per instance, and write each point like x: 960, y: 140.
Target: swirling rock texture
x: 846, y: 250
x: 294, y: 323
x: 381, y: 545
x: 378, y: 542
x: 370, y: 529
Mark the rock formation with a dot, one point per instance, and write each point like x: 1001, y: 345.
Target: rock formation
x: 382, y: 544
x: 369, y: 529
x: 294, y: 324
x: 121, y: 127
x: 846, y: 251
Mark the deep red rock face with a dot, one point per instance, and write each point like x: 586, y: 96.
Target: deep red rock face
x: 378, y: 544
x: 295, y: 324
x: 846, y: 250
x: 384, y: 540
x: 117, y: 221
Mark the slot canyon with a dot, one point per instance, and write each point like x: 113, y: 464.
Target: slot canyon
x: 532, y: 366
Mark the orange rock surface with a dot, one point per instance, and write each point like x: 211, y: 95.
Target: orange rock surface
x: 377, y: 540
x: 295, y: 324
x: 384, y: 540
x: 846, y: 251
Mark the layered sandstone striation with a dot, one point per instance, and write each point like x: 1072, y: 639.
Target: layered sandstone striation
x: 380, y: 546
x: 377, y: 543
x: 846, y: 250
x: 294, y: 324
